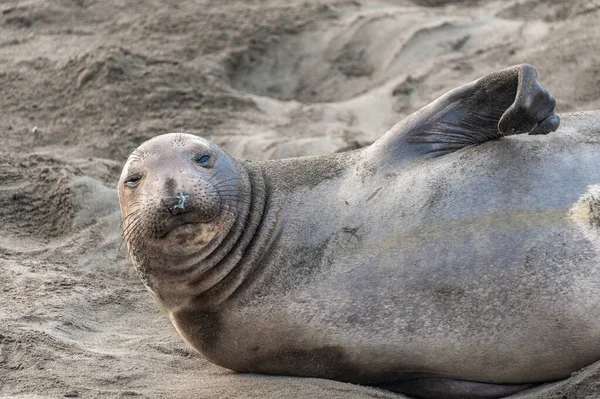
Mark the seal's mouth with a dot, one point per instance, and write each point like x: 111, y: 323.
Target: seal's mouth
x: 174, y: 222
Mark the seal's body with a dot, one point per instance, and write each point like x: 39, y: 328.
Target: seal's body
x: 438, y: 262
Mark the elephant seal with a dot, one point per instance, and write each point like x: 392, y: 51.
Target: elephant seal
x: 453, y: 258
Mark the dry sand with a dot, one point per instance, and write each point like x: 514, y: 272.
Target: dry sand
x: 83, y: 82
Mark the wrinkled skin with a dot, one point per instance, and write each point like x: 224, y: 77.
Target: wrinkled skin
x: 444, y: 261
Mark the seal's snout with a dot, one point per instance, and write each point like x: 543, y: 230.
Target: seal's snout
x: 175, y: 205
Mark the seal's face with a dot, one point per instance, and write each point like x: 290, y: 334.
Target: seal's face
x: 179, y: 196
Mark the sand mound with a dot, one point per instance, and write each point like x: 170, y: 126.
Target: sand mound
x: 84, y: 82
x: 439, y: 3
x: 349, y: 55
x: 549, y: 10
x: 35, y: 199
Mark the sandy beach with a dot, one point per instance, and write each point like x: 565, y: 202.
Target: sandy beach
x: 84, y: 82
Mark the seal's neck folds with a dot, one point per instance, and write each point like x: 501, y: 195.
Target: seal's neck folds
x: 218, y: 275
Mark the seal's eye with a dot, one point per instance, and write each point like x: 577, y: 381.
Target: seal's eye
x: 133, y: 180
x: 203, y: 159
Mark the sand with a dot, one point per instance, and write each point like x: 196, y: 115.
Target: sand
x: 83, y: 82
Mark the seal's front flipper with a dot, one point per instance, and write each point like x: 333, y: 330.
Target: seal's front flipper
x: 447, y: 388
x: 533, y: 109
x: 502, y: 103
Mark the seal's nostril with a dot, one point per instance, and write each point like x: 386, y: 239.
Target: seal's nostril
x: 177, y: 204
x: 182, y: 197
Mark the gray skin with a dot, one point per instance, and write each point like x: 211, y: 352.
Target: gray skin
x: 443, y: 261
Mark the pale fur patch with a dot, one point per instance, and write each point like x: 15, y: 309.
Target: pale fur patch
x: 586, y: 213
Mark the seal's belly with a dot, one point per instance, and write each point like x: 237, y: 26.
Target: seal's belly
x: 513, y: 299
x: 489, y: 304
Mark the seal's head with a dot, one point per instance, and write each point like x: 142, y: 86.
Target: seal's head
x: 180, y: 196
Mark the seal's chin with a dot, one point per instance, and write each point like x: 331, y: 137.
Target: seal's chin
x: 183, y: 233
x: 187, y: 238
x: 177, y: 222
x: 187, y: 233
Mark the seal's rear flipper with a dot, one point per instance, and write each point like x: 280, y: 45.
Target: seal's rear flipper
x: 502, y: 103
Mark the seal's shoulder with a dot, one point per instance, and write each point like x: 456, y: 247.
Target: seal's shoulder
x: 307, y: 171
